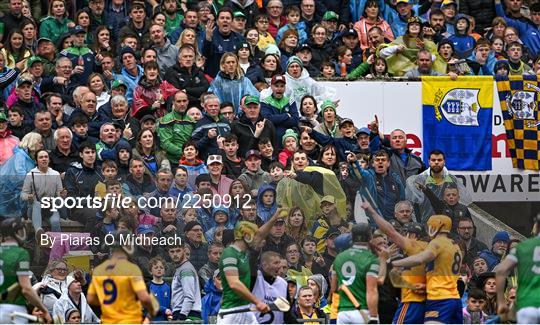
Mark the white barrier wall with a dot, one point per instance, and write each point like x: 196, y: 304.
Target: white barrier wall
x: 399, y: 105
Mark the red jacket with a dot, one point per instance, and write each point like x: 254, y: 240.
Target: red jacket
x: 145, y: 95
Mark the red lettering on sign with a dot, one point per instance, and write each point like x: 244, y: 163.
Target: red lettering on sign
x: 495, y: 139
x: 414, y: 142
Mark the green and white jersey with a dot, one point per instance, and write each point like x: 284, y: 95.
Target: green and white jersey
x: 234, y: 259
x: 351, y: 267
x: 14, y: 261
x: 527, y: 256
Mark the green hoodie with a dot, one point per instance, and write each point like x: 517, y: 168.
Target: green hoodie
x: 53, y: 28
x: 174, y: 130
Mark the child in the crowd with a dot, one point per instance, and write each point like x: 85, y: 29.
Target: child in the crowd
x: 266, y: 202
x: 160, y: 289
x: 328, y: 70
x: 221, y: 219
x: 109, y: 170
x: 265, y: 38
x: 276, y: 172
x: 379, y: 69
x: 16, y: 125
x: 267, y: 152
x: 123, y: 157
x: 79, y: 128
x: 472, y: 313
x: 293, y: 17
x: 232, y: 164
x: 211, y: 302
x: 328, y: 222
x: 290, y: 146
x: 502, y: 68
x: 463, y: 42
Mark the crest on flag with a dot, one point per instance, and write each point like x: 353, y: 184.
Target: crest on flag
x: 521, y: 104
x: 460, y: 106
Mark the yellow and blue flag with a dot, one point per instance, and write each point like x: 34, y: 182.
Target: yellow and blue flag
x: 519, y: 97
x: 457, y: 119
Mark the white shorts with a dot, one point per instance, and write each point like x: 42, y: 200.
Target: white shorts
x: 528, y: 315
x: 5, y: 314
x: 351, y: 317
x: 240, y: 318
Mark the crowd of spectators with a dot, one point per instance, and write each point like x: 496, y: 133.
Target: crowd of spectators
x: 214, y: 110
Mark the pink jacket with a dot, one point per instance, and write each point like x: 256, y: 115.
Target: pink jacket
x: 6, y: 147
x: 362, y: 27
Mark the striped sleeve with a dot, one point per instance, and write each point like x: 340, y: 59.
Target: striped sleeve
x: 230, y: 263
x: 373, y: 269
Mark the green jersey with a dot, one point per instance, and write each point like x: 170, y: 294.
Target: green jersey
x: 527, y: 256
x: 14, y: 261
x: 351, y: 267
x: 233, y: 259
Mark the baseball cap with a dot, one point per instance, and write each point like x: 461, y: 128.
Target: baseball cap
x: 77, y: 29
x: 148, y: 117
x: 118, y: 83
x: 302, y: 47
x: 330, y: 15
x: 345, y: 120
x: 333, y: 234
x: 363, y: 130
x: 23, y: 80
x: 242, y: 45
x: 190, y: 225
x: 349, y: 32
x: 214, y: 159
x: 278, y: 78
x: 237, y: 14
x: 126, y: 50
x: 145, y: 229
x: 402, y: 1
x: 448, y: 3
x: 251, y: 99
x: 43, y: 39
x: 3, y: 117
x: 33, y: 59
x: 329, y: 199
x: 253, y: 152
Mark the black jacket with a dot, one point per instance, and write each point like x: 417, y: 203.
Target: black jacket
x: 244, y: 130
x: 320, y: 53
x: 61, y: 162
x: 482, y: 10
x: 194, y: 82
x: 80, y: 181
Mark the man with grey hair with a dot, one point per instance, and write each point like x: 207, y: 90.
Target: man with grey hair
x: 61, y: 82
x: 166, y: 52
x: 404, y: 212
x: 87, y: 108
x: 64, y: 154
x: 120, y: 116
x: 210, y: 129
x: 107, y: 147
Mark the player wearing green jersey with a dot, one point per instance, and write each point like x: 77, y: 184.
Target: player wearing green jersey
x: 356, y: 270
x: 526, y: 256
x: 15, y: 286
x: 236, y: 278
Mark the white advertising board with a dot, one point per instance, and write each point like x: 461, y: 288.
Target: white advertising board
x: 399, y: 105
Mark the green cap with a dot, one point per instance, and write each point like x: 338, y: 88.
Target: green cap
x: 251, y: 99
x: 3, y: 117
x: 289, y: 134
x: 33, y: 59
x: 117, y: 83
x: 330, y: 15
x: 237, y: 14
x: 328, y: 104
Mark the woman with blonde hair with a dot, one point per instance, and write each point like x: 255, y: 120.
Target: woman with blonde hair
x: 189, y: 36
x: 230, y: 84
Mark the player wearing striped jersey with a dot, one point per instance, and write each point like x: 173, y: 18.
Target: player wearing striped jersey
x: 236, y: 278
x: 15, y: 274
x: 412, y: 303
x: 118, y: 288
x: 526, y: 256
x: 355, y: 272
x: 443, y: 262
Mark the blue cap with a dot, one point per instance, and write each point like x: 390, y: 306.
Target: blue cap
x: 77, y: 29
x: 501, y: 236
x: 363, y: 130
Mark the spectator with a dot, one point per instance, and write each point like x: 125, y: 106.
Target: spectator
x: 472, y: 312
x: 194, y: 237
x: 74, y: 298
x: 305, y: 307
x: 13, y: 16
x: 499, y: 248
x: 276, y: 19
x: 14, y: 50
x: 53, y: 283
x: 265, y: 38
x: 146, y: 149
x: 253, y: 176
x: 160, y: 289
x: 269, y: 66
x: 164, y: 180
x: 527, y: 29
x: 166, y: 52
x: 514, y: 52
x: 424, y: 67
x: 152, y: 93
x: 321, y: 48
x: 82, y: 58
x: 138, y: 25
x: 219, y: 41
x: 186, y: 291
x: 295, y: 224
x: 293, y: 19
x: 207, y: 271
x: 7, y: 141
x: 211, y: 128
x: 370, y: 18
x: 131, y: 72
x: 230, y: 84
x: 184, y: 74
x: 176, y: 128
